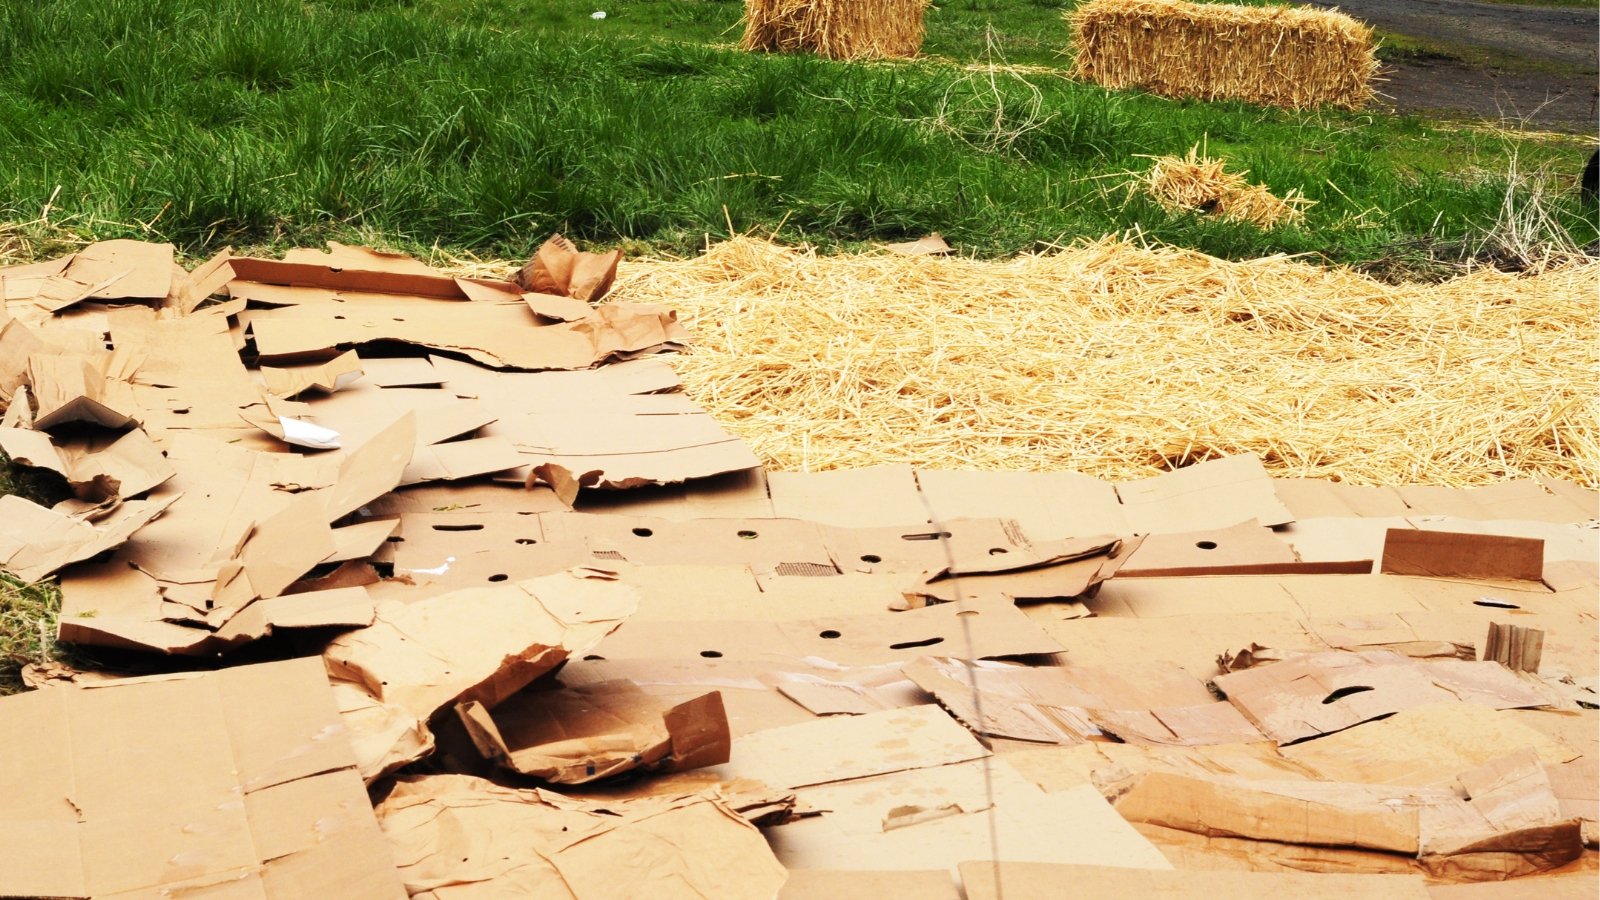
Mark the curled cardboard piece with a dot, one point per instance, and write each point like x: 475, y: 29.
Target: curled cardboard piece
x: 336, y: 374
x: 97, y: 468
x: 1318, y: 693
x: 83, y: 388
x: 594, y: 731
x: 453, y: 830
x: 1058, y: 570
x: 238, y: 782
x: 929, y: 245
x: 560, y: 268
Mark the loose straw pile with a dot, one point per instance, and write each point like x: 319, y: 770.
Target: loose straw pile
x: 1200, y: 184
x: 1122, y: 361
x: 1294, y: 57
x: 840, y: 29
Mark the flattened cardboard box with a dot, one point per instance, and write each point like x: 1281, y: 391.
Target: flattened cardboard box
x: 240, y: 779
x: 1044, y: 881
x: 457, y: 831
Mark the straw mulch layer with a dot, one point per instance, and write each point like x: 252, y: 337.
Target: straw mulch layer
x: 1199, y: 184
x: 840, y: 29
x: 1122, y: 361
x: 1294, y: 57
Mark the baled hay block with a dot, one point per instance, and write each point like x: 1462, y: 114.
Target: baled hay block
x: 1196, y: 183
x: 840, y: 29
x: 1293, y: 57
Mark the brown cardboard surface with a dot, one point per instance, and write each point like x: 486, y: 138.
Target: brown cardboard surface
x: 822, y: 884
x: 996, y: 630
x: 1046, y: 505
x: 1214, y: 494
x: 985, y: 880
x: 1534, y: 887
x: 891, y: 740
x: 97, y: 467
x: 560, y: 268
x: 885, y: 496
x: 174, y: 783
x: 335, y: 374
x: 1056, y: 570
x: 481, y: 644
x: 1318, y: 693
x: 36, y: 542
x: 1440, y: 554
x: 1309, y: 498
x: 453, y: 830
x: 934, y: 818
x: 1505, y: 500
x: 594, y: 731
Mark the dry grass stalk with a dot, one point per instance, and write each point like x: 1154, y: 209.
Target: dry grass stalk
x: 1122, y: 361
x: 1294, y: 57
x: 839, y: 29
x: 1197, y: 183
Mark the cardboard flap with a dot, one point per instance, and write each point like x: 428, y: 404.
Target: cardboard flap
x: 336, y: 374
x: 891, y: 740
x: 1217, y: 493
x: 36, y: 542
x: 1444, y: 554
x: 596, y: 731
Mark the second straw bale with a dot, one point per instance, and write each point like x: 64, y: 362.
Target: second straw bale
x: 1293, y: 57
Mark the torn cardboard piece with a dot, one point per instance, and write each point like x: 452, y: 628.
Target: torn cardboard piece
x: 94, y: 389
x: 252, y: 788
x: 559, y: 268
x: 36, y: 542
x: 1058, y: 570
x: 1320, y: 693
x: 931, y: 818
x: 595, y: 731
x: 479, y: 644
x: 928, y: 245
x: 454, y: 830
x: 97, y: 468
x: 334, y: 375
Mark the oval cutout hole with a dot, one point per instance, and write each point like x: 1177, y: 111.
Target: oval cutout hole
x: 907, y: 645
x: 1344, y: 692
x: 748, y: 535
x: 711, y: 654
x: 642, y: 532
x: 998, y: 551
x: 498, y: 578
x: 1206, y: 545
x: 594, y: 657
x: 872, y: 558
x: 830, y: 634
x: 926, y: 536
x: 526, y: 541
x: 472, y: 527
x: 967, y: 612
x: 1495, y: 604
x: 395, y: 539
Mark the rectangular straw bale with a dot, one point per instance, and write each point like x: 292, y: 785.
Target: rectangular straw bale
x: 1293, y: 57
x: 840, y: 29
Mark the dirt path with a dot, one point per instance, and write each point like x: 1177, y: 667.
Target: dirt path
x: 1535, y: 64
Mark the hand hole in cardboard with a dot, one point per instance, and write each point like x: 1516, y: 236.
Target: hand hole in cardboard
x: 998, y: 551
x: 907, y: 645
x: 339, y: 317
x: 594, y: 657
x: 474, y: 526
x: 711, y: 654
x: 967, y: 612
x: 748, y: 535
x: 1492, y: 603
x: 925, y: 536
x: 1206, y: 545
x: 395, y: 539
x: 872, y: 558
x: 1344, y: 692
x: 642, y: 532
x: 526, y: 541
x: 497, y: 578
x: 830, y: 634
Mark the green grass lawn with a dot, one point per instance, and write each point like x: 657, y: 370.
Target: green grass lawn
x: 488, y: 124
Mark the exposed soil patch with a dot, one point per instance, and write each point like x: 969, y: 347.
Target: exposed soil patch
x: 1531, y: 64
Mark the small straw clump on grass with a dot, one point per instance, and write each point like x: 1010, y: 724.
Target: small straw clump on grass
x: 1199, y: 184
x: 1293, y: 57
x: 1122, y: 361
x: 839, y: 29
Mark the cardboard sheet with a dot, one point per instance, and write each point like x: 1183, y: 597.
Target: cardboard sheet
x: 873, y: 744
x: 454, y: 831
x: 238, y: 781
x: 1044, y: 881
x: 97, y: 467
x: 595, y: 731
x: 1319, y: 693
x: 36, y: 542
x: 823, y: 884
x: 1056, y: 570
x: 1440, y: 554
x: 876, y: 496
x: 478, y: 644
x: 1046, y: 505
x: 1214, y: 494
x: 935, y: 818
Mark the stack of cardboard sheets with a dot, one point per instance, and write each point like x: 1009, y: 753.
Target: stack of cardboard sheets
x: 408, y: 584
